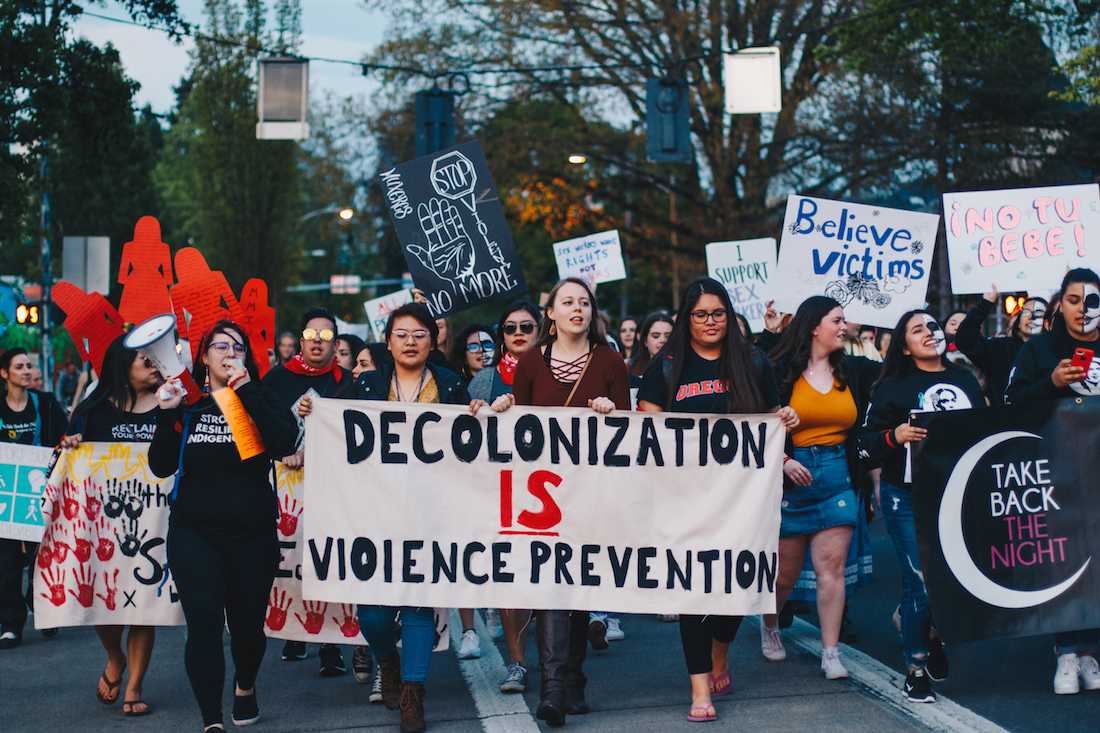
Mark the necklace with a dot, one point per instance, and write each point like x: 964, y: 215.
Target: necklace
x: 419, y: 387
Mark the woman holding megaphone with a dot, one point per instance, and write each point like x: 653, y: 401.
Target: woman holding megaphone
x: 222, y: 550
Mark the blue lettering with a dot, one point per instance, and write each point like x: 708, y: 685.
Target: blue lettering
x: 806, y: 210
x: 820, y: 268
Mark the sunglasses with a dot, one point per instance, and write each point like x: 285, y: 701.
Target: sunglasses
x: 223, y: 347
x: 527, y: 327
x: 475, y: 347
x: 312, y: 334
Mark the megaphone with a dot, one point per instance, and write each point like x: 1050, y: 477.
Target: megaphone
x: 155, y: 337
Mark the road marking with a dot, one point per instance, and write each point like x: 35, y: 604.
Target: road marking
x: 499, y: 713
x: 885, y: 684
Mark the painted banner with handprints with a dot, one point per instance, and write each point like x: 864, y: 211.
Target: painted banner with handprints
x: 22, y: 483
x: 103, y: 554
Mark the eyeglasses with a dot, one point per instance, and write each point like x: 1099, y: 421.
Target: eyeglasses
x: 403, y: 335
x: 312, y: 334
x: 701, y: 316
x: 527, y: 327
x: 222, y: 347
x: 476, y: 346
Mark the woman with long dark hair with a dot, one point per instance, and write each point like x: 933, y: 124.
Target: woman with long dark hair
x: 821, y: 509
x: 347, y: 349
x: 708, y: 366
x: 916, y: 377
x: 995, y: 355
x: 28, y: 417
x: 652, y: 337
x: 1043, y: 370
x: 221, y: 531
x: 472, y: 351
x: 628, y: 337
x: 121, y: 409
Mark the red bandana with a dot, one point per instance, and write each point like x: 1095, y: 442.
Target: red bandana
x: 507, y: 368
x: 299, y: 366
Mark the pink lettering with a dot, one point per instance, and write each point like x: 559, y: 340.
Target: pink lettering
x: 988, y: 255
x: 979, y: 220
x: 1072, y: 215
x: 1008, y: 217
x: 1040, y: 205
x: 1054, y: 241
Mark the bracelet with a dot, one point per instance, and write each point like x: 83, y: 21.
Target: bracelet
x: 786, y: 459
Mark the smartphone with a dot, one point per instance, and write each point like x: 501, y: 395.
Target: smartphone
x: 1082, y: 358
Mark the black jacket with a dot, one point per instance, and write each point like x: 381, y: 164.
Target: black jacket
x: 994, y: 356
x: 376, y: 385
x: 1030, y: 376
x: 20, y: 428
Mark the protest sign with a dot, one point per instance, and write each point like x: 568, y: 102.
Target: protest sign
x: 379, y: 309
x: 597, y: 258
x: 103, y: 557
x: 544, y: 508
x: 744, y: 267
x: 1007, y: 519
x: 1021, y: 239
x: 22, y: 485
x: 873, y: 260
x: 448, y: 218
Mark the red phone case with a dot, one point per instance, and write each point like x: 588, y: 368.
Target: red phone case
x: 1082, y: 358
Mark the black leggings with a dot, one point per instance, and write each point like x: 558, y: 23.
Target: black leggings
x: 696, y: 633
x: 221, y: 581
x: 13, y: 563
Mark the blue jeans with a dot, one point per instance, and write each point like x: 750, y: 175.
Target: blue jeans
x: 1085, y: 641
x: 417, y: 637
x: 916, y: 619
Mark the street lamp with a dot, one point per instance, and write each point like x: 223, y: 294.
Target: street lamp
x: 345, y: 213
x: 578, y: 159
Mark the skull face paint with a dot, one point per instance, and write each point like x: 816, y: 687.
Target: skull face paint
x: 1092, y: 308
x: 1038, y: 312
x: 937, y: 333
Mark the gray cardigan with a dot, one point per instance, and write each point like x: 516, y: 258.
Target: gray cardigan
x: 487, y: 385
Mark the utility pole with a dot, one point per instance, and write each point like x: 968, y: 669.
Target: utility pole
x: 46, y: 357
x: 674, y: 240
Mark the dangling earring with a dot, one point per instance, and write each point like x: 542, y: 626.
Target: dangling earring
x: 553, y: 329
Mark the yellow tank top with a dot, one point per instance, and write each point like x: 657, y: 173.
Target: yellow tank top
x: 824, y: 419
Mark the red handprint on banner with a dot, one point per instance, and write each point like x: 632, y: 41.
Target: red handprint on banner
x: 289, y: 511
x: 85, y: 586
x: 349, y: 627
x: 109, y: 591
x: 315, y: 616
x: 61, y: 550
x: 71, y: 506
x: 83, y: 546
x: 56, y: 584
x: 92, y: 503
x: 45, y: 553
x: 276, y: 610
x: 105, y: 546
x: 51, y: 506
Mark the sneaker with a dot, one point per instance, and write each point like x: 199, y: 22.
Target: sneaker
x: 332, y: 661
x: 469, y: 647
x: 492, y: 623
x: 614, y: 629
x: 361, y: 664
x: 918, y: 688
x: 10, y: 639
x: 771, y: 644
x: 294, y: 651
x: 937, y: 660
x: 668, y: 618
x: 597, y: 634
x: 246, y: 710
x: 1066, y: 677
x: 1089, y: 672
x: 375, y: 696
x: 831, y: 665
x: 516, y: 679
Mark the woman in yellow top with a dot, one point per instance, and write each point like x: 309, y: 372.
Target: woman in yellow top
x: 829, y: 390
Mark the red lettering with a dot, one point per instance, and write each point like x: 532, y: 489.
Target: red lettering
x: 506, y: 498
x: 550, y: 514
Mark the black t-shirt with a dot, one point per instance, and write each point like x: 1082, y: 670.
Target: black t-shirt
x: 701, y: 390
x: 1030, y: 376
x: 106, y: 423
x: 18, y: 427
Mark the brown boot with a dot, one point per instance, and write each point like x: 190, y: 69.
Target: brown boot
x: 412, y: 707
x: 390, y: 669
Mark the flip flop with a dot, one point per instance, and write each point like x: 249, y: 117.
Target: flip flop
x: 721, y: 685
x: 702, y: 714
x: 111, y: 687
x: 131, y: 713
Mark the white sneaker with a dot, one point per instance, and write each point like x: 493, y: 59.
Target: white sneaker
x: 614, y: 629
x: 831, y: 664
x: 771, y: 644
x: 375, y: 696
x: 1066, y: 680
x: 492, y: 622
x: 470, y: 646
x: 1089, y: 672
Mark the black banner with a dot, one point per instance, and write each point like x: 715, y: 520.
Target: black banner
x: 1007, y: 505
x: 451, y: 225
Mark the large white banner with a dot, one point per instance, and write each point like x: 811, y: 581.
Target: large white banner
x: 1022, y: 238
x: 875, y: 261
x: 22, y: 485
x: 744, y: 266
x: 545, y: 508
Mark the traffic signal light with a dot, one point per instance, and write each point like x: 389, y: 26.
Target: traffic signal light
x: 1013, y: 304
x: 435, y: 121
x: 668, y: 121
x: 26, y: 314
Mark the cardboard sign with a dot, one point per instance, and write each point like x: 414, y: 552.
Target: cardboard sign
x: 1022, y: 238
x: 201, y: 298
x: 449, y: 220
x: 744, y: 267
x: 597, y: 258
x: 874, y: 261
x: 511, y: 510
x: 258, y: 318
x: 22, y: 486
x: 91, y: 320
x: 145, y: 273
x: 379, y: 309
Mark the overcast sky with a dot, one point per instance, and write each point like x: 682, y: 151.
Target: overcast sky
x: 331, y: 28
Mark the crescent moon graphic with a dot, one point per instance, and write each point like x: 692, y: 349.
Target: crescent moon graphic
x: 954, y: 547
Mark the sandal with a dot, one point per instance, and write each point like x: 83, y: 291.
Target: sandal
x: 702, y: 714
x: 721, y: 684
x: 131, y: 712
x: 111, y: 687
